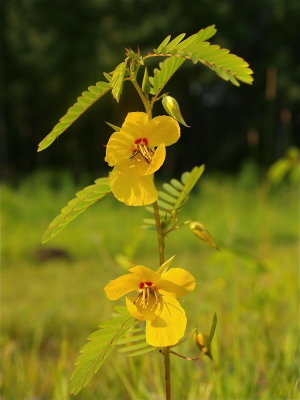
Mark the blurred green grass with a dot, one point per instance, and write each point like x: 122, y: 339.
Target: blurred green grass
x: 50, y: 305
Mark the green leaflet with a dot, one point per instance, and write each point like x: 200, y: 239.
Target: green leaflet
x: 174, y: 196
x: 163, y: 44
x: 224, y: 63
x: 168, y: 67
x: 84, y: 199
x: 189, y: 179
x: 117, y: 80
x: 166, y: 46
x: 83, y: 102
x: 146, y: 87
x: 100, y: 345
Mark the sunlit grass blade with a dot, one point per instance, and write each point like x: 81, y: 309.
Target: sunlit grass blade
x: 212, y: 330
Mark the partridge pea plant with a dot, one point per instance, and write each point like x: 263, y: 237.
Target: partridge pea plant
x: 153, y: 318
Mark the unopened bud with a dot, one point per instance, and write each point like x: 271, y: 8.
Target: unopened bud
x: 202, y: 233
x: 201, y: 342
x: 172, y: 108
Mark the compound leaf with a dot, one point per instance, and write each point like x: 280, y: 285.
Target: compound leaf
x: 99, y: 346
x: 167, y: 69
x: 84, y: 199
x: 227, y: 66
x: 83, y: 102
x: 174, y: 196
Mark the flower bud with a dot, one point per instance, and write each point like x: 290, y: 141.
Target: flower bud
x: 172, y: 108
x: 202, y: 233
x: 201, y: 341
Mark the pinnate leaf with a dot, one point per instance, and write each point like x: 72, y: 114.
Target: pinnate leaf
x: 84, y: 199
x: 226, y: 65
x: 83, y: 102
x: 99, y: 346
x: 167, y: 69
x: 174, y: 196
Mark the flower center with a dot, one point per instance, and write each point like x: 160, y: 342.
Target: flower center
x: 148, y: 296
x: 141, y: 149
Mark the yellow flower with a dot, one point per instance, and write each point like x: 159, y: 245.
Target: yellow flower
x: 136, y: 152
x: 156, y: 300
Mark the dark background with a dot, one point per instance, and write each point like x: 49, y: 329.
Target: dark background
x: 53, y: 50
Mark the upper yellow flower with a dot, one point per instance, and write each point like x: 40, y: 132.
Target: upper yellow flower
x: 136, y: 152
x: 156, y: 301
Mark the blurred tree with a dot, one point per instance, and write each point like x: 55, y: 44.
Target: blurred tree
x: 52, y: 50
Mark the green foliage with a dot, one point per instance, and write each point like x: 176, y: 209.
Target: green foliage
x: 165, y: 72
x: 174, y: 49
x: 84, y: 199
x: 100, y: 345
x: 117, y: 80
x: 247, y: 299
x: 177, y: 43
x: 212, y: 330
x: 173, y: 198
x: 227, y: 66
x: 83, y: 102
x: 287, y: 165
x: 146, y: 86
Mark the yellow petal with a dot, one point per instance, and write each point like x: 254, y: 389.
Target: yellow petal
x: 143, y: 313
x: 145, y: 274
x: 121, y: 286
x: 121, y: 144
x: 169, y: 325
x: 157, y: 159
x: 136, y: 124
x: 163, y: 130
x: 129, y: 187
x: 119, y: 147
x: 177, y: 282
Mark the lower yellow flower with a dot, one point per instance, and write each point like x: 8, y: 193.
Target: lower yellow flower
x: 156, y: 300
x: 136, y: 152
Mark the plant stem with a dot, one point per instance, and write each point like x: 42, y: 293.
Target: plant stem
x: 143, y: 98
x: 161, y: 250
x: 160, y: 235
x: 160, y: 239
x: 167, y: 372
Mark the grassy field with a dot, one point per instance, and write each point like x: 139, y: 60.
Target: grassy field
x: 50, y: 304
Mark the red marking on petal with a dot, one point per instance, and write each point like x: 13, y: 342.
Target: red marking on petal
x: 149, y: 283
x: 138, y: 141
x: 145, y: 141
x: 142, y: 285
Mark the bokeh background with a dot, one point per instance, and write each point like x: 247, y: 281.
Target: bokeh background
x: 52, y: 295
